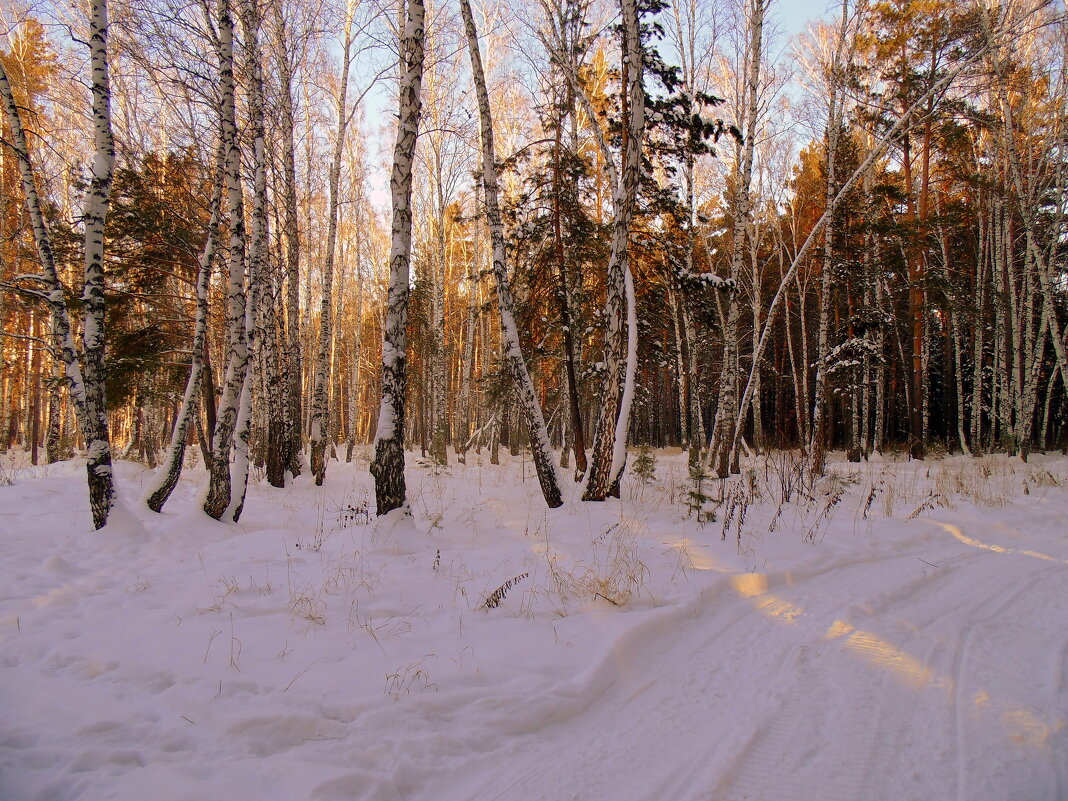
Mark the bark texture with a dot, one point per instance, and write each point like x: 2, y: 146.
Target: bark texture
x: 513, y: 354
x: 388, y: 464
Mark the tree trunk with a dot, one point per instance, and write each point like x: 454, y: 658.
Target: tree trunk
x: 97, y: 199
x: 320, y: 412
x: 294, y: 367
x: 218, y: 499
x: 388, y: 465
x: 167, y: 476
x: 613, y: 424
x: 723, y: 452
x: 513, y: 355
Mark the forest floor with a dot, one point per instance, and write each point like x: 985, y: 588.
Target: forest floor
x: 894, y: 630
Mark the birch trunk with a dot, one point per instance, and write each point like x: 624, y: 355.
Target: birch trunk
x: 723, y: 453
x: 610, y: 435
x: 263, y: 326
x: 388, y: 465
x: 97, y: 200
x: 513, y: 355
x: 294, y: 359
x: 818, y: 432
x: 169, y: 472
x: 319, y: 412
x: 219, y: 494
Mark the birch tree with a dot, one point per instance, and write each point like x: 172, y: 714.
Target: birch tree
x: 86, y: 380
x: 513, y: 355
x: 723, y: 453
x: 217, y: 504
x: 621, y: 349
x: 388, y: 464
x: 319, y: 419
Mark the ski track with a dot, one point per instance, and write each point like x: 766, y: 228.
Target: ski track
x: 858, y: 675
x: 841, y: 714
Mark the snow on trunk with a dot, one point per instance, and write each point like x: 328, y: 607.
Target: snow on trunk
x: 219, y: 486
x: 388, y: 465
x: 722, y: 454
x: 610, y: 435
x: 513, y: 354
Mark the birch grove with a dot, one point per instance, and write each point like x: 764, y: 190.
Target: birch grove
x: 579, y: 249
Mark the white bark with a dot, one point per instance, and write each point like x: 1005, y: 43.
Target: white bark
x: 319, y: 422
x: 723, y: 451
x: 388, y: 465
x: 609, y: 442
x: 218, y: 500
x: 167, y: 475
x: 513, y: 354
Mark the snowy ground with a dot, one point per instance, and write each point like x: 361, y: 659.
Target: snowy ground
x: 900, y: 633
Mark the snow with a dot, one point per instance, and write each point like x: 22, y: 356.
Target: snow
x: 897, y: 630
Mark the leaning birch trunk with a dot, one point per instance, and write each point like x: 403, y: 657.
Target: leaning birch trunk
x: 388, y: 465
x: 723, y: 451
x: 319, y: 411
x: 610, y: 435
x: 881, y: 144
x: 513, y: 355
x: 219, y: 485
x: 53, y: 295
x: 167, y: 476
x: 258, y: 258
x: 97, y: 198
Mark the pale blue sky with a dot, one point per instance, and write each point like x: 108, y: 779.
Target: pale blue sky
x: 796, y: 14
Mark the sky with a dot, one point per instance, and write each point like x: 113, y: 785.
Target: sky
x: 796, y: 14
x: 792, y: 17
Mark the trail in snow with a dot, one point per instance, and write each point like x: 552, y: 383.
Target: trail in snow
x: 290, y: 657
x: 864, y: 680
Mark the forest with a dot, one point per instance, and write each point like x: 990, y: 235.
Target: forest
x: 494, y: 400
x: 251, y: 236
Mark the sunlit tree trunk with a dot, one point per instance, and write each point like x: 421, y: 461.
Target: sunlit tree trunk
x: 320, y: 411
x: 218, y: 500
x: 610, y: 435
x: 523, y: 387
x: 167, y: 476
x: 388, y: 465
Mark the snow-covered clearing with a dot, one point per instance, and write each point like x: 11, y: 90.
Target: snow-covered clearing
x: 900, y: 634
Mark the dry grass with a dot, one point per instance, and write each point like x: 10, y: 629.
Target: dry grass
x: 611, y: 569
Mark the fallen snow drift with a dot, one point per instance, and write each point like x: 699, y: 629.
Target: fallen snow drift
x: 894, y: 631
